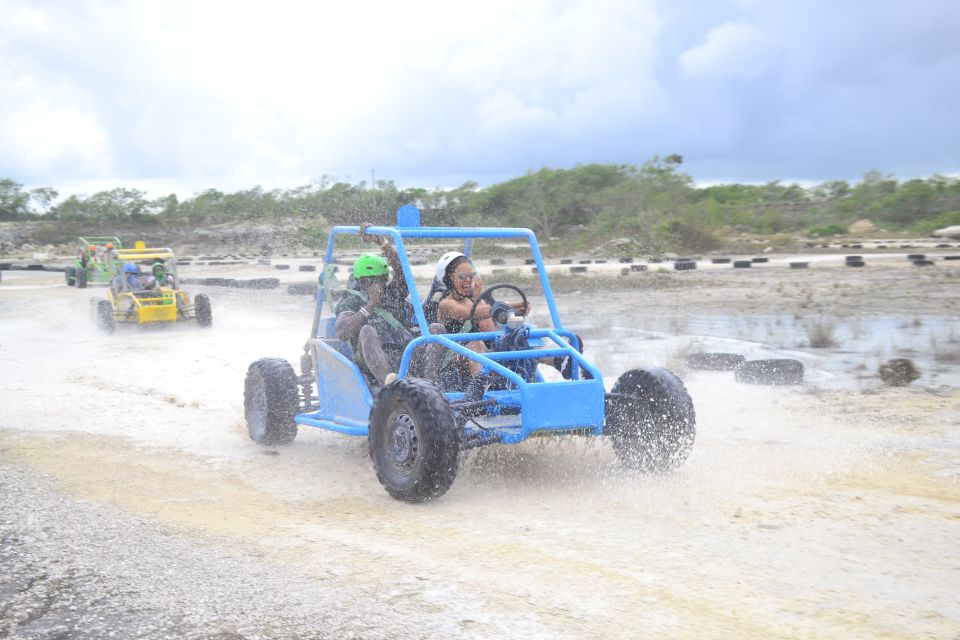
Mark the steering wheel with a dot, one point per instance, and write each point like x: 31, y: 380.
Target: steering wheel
x: 486, y: 295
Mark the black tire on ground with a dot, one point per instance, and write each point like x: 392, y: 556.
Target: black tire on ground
x: 923, y: 263
x: 105, y: 316
x: 856, y: 263
x: 82, y: 279
x: 653, y: 425
x: 707, y: 361
x: 742, y: 264
x: 684, y: 265
x: 799, y: 265
x: 777, y: 371
x: 201, y: 303
x: 414, y: 440
x: 270, y: 401
x: 720, y: 260
x: 70, y: 273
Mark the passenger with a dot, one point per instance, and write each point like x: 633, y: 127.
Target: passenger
x: 127, y: 281
x: 378, y: 321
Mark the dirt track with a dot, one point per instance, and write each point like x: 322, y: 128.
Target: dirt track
x: 804, y: 512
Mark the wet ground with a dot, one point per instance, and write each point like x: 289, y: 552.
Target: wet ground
x: 135, y: 505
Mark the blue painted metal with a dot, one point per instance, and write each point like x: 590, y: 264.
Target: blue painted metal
x: 524, y: 409
x: 341, y: 388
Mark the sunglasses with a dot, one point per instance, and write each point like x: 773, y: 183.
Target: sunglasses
x: 466, y: 277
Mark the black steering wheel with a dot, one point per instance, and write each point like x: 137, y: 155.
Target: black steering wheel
x: 499, y: 311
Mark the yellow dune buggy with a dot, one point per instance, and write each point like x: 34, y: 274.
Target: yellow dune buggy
x: 153, y: 298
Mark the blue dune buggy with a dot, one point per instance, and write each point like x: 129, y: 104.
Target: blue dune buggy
x: 416, y: 431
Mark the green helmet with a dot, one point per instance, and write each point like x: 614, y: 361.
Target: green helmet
x: 370, y: 264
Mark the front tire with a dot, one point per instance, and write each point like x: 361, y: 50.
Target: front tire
x: 81, y: 279
x: 270, y: 402
x: 70, y: 273
x: 652, y: 424
x: 201, y: 304
x: 414, y: 441
x: 105, y: 321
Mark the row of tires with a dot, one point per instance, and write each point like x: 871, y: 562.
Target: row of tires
x: 776, y: 371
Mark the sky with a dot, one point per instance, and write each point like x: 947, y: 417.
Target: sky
x: 181, y: 96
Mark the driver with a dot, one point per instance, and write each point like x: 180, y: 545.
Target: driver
x: 463, y: 285
x: 158, y: 277
x: 375, y: 316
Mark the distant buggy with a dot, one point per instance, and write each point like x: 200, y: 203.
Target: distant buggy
x: 155, y: 303
x: 95, y: 262
x: 416, y: 431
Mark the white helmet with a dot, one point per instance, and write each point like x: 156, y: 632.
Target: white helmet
x: 445, y: 261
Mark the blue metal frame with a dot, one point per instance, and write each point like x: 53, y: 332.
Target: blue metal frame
x: 345, y: 399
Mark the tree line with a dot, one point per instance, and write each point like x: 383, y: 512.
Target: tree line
x: 657, y: 205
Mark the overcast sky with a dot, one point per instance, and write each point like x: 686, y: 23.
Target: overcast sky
x: 180, y: 96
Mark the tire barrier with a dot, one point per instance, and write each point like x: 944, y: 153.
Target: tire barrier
x: 584, y: 261
x: 719, y: 260
x: 856, y: 246
x: 34, y: 267
x: 923, y: 263
x: 529, y: 261
x: 307, y: 267
x: 566, y: 261
x: 496, y: 261
x: 951, y: 257
x: 601, y: 261
x: 654, y: 260
x: 742, y: 264
x: 773, y: 372
x: 302, y: 289
x: 638, y: 267
x: 4, y: 266
x: 759, y: 260
x: 684, y: 265
x: 856, y: 263
x: 281, y: 267
x: 799, y: 265
x: 707, y: 361
x: 916, y: 256
x: 943, y: 246
x: 625, y: 260
x: 578, y: 269
x: 853, y: 258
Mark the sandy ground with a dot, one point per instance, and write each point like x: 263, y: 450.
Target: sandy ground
x: 134, y: 504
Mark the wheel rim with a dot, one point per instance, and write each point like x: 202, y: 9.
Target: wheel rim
x: 403, y: 443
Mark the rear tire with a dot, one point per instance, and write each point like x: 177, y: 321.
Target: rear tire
x: 270, y: 401
x: 71, y: 275
x: 653, y: 424
x: 414, y: 440
x: 81, y: 279
x: 201, y: 303
x: 105, y: 316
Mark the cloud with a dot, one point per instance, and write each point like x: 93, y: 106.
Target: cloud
x: 430, y: 92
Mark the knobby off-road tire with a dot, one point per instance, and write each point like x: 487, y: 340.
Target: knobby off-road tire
x: 653, y: 425
x: 270, y: 401
x: 414, y: 440
x: 105, y: 316
x: 201, y: 303
x: 70, y: 273
x: 82, y: 279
